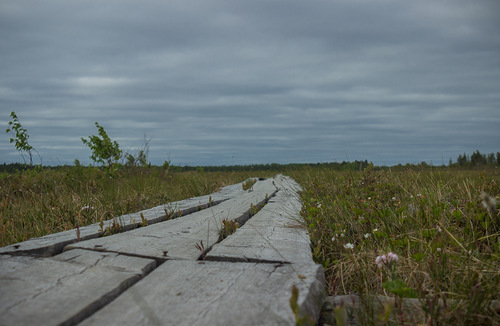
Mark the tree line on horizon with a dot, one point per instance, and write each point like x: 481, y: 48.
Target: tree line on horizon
x: 107, y: 152
x: 478, y: 159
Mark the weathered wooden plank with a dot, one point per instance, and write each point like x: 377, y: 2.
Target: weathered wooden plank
x: 287, y: 184
x: 177, y: 239
x: 274, y: 234
x: 216, y: 293
x: 54, y: 243
x: 65, y: 288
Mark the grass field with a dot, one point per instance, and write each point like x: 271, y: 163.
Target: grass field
x: 35, y: 203
x: 444, y: 238
x: 431, y: 234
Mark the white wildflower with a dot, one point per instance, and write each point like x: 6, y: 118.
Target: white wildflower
x: 349, y: 246
x: 488, y: 202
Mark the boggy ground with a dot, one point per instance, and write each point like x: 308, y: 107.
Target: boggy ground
x: 441, y: 227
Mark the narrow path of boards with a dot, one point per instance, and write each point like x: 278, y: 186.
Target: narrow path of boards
x: 174, y: 271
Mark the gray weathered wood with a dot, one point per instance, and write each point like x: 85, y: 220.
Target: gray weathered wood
x: 287, y: 184
x: 96, y: 280
x: 65, y: 288
x: 274, y: 234
x: 216, y: 293
x: 53, y: 244
x: 177, y: 239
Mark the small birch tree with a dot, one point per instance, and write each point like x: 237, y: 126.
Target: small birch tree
x: 104, y: 150
x: 20, y: 138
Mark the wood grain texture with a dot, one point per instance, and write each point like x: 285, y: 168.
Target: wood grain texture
x: 274, y: 234
x: 152, y: 276
x: 53, y: 244
x: 66, y: 288
x: 177, y: 238
x: 216, y: 293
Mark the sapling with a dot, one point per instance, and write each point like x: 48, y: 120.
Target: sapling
x: 20, y: 138
x: 104, y: 150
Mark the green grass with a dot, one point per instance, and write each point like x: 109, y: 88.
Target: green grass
x: 446, y: 241
x: 35, y: 203
x: 248, y: 184
x: 434, y: 221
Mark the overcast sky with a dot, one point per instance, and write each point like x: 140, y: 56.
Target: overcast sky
x: 215, y: 82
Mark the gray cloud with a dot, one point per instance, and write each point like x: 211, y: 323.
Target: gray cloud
x: 240, y: 82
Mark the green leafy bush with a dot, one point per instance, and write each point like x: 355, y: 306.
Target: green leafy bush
x: 20, y: 138
x: 104, y: 150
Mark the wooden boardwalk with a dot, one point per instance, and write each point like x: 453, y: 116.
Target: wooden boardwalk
x: 157, y: 274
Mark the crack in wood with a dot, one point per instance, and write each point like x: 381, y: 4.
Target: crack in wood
x: 56, y: 248
x: 270, y: 271
x: 243, y: 218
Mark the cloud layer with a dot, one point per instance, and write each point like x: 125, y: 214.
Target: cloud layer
x: 262, y: 81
